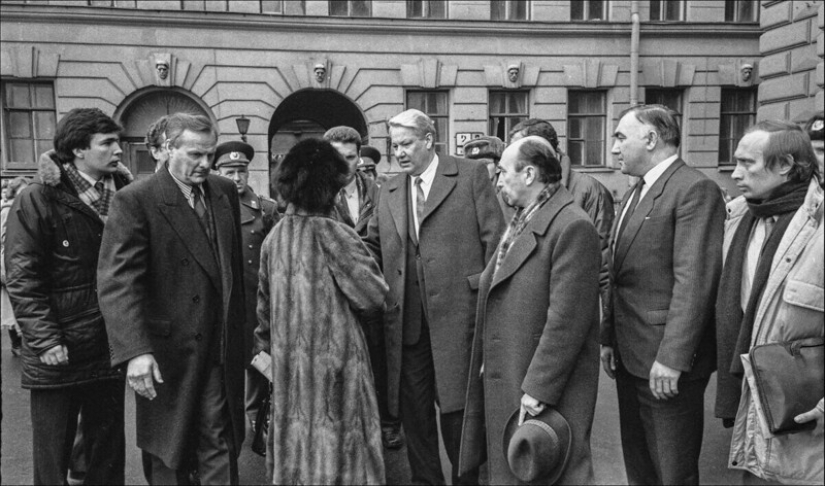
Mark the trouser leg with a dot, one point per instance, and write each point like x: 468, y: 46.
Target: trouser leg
x: 54, y: 423
x: 104, y: 442
x: 451, y: 424
x: 417, y: 400
x: 257, y: 386
x: 637, y: 457
x: 217, y: 460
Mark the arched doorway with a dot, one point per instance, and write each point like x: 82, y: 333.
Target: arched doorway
x: 310, y: 113
x: 137, y: 113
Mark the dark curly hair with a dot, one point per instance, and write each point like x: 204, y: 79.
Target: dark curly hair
x: 311, y: 175
x: 77, y: 128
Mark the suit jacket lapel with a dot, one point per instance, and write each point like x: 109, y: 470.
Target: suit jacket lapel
x: 634, y: 224
x: 526, y: 243
x: 224, y: 227
x: 184, y: 222
x: 443, y: 184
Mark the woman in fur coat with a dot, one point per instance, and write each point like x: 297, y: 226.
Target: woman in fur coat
x: 319, y: 292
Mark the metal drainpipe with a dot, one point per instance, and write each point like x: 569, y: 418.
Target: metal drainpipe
x: 634, y: 52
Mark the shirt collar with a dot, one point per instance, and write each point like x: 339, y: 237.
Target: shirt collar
x: 185, y: 188
x: 429, y: 173
x: 653, y: 174
x: 351, y: 188
x: 89, y: 178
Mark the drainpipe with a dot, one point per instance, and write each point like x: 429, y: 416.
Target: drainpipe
x: 634, y: 52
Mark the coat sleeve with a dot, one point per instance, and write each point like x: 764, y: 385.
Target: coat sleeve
x: 373, y: 238
x: 262, y: 340
x: 488, y: 212
x: 697, y: 266
x: 28, y: 258
x: 603, y: 221
x: 123, y: 275
x: 574, y: 277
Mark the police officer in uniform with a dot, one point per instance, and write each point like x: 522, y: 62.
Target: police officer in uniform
x: 258, y: 215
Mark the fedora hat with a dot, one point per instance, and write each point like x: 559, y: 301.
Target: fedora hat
x: 538, y: 449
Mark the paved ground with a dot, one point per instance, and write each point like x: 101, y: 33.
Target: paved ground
x: 16, y: 463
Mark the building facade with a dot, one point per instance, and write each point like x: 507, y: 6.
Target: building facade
x: 295, y: 68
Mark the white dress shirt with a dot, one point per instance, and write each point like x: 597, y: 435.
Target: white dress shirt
x: 351, y: 195
x: 427, y: 178
x: 650, y: 178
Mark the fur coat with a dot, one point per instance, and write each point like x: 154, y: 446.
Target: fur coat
x: 318, y: 286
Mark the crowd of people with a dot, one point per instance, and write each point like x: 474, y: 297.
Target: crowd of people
x: 468, y: 299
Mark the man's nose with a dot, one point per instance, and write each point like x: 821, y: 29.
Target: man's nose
x: 615, y: 149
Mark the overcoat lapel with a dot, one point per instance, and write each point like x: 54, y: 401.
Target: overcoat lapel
x: 443, y: 184
x: 644, y: 208
x: 75, y: 203
x: 184, y: 222
x: 224, y: 227
x: 398, y: 205
x: 526, y: 243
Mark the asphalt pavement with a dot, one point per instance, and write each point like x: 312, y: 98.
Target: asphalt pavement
x: 16, y: 460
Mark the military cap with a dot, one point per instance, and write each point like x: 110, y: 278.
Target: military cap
x: 233, y: 154
x: 371, y: 152
x: 484, y: 148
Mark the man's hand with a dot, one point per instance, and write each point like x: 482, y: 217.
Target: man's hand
x: 818, y: 414
x: 56, y: 356
x: 664, y: 381
x: 529, y: 405
x: 609, y: 361
x: 139, y: 374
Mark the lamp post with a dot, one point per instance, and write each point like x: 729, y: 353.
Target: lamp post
x: 243, y: 126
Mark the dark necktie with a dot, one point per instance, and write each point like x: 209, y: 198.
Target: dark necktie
x: 200, y: 210
x: 419, y: 202
x: 634, y: 201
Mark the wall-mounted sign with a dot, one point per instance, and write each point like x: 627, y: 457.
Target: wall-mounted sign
x: 463, y: 138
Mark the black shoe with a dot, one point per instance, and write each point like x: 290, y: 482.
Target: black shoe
x: 391, y: 437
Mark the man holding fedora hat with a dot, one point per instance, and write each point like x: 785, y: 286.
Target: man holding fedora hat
x: 535, y: 356
x: 258, y: 216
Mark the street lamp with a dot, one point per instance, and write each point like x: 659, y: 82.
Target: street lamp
x: 243, y: 126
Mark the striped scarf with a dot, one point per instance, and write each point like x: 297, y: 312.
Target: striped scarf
x: 521, y: 218
x: 98, y: 196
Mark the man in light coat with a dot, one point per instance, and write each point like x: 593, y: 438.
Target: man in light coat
x: 170, y: 280
x: 536, y: 338
x: 436, y: 227
x: 657, y: 337
x: 771, y: 291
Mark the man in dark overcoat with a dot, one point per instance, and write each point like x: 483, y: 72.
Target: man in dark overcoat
x: 436, y: 227
x: 171, y: 288
x: 258, y: 215
x: 657, y: 337
x: 536, y: 337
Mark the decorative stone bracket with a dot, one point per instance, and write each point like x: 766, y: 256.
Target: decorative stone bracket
x: 511, y: 75
x: 736, y: 73
x: 428, y: 74
x: 591, y: 73
x: 162, y: 69
x: 668, y: 73
x: 28, y: 62
x: 319, y: 73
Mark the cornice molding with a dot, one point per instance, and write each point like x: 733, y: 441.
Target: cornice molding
x: 224, y: 20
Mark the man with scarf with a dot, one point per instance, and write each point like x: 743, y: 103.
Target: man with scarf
x: 536, y: 338
x: 54, y: 236
x: 771, y: 290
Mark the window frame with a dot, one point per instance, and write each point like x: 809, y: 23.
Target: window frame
x: 8, y: 163
x: 733, y: 141
x: 508, y: 8
x: 733, y: 4
x: 349, y: 9
x: 662, y: 10
x: 426, y: 7
x: 604, y: 140
x: 442, y: 140
x: 586, y: 11
x: 508, y: 116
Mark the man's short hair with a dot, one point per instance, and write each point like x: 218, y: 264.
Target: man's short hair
x: 415, y: 120
x: 156, y: 134
x: 540, y: 154
x: 539, y: 128
x: 76, y: 129
x: 788, y: 144
x: 344, y: 134
x: 815, y: 127
x: 178, y: 123
x: 661, y: 118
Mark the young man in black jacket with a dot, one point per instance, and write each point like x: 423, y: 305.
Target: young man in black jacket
x: 54, y: 235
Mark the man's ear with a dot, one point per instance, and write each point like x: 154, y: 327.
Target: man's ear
x: 78, y: 152
x: 430, y: 140
x: 785, y: 165
x: 652, y: 140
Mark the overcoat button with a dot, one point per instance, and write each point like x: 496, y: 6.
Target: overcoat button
x: 196, y: 299
x: 198, y: 337
x: 66, y: 243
